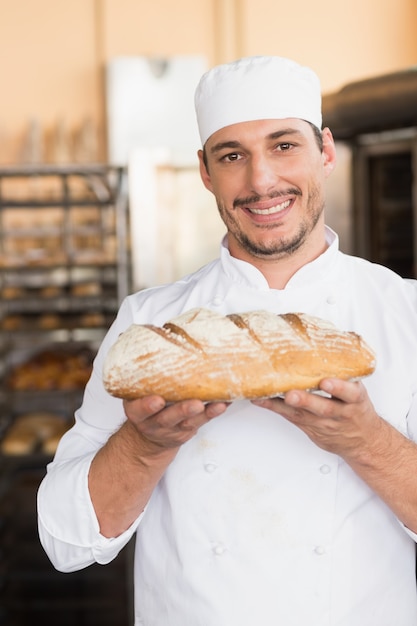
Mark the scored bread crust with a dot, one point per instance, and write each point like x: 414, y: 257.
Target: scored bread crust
x: 258, y: 354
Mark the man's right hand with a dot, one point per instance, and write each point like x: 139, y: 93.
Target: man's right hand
x: 126, y: 470
x: 170, y: 426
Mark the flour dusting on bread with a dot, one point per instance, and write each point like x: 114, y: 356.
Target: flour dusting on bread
x: 202, y: 354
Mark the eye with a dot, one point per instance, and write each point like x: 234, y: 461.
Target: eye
x: 231, y: 157
x: 284, y: 147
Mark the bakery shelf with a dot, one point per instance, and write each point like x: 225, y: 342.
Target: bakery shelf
x: 64, y: 248
x: 32, y: 303
x: 64, y: 270
x: 64, y: 216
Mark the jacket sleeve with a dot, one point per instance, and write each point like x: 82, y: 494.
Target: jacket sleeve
x: 68, y: 527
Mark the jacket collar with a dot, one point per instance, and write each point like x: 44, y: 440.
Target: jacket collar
x: 247, y: 274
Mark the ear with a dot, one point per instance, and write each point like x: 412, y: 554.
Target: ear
x: 329, y: 152
x: 205, y: 176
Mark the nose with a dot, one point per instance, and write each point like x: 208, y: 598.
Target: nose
x: 262, y: 175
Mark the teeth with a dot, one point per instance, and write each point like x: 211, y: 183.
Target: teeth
x: 274, y: 209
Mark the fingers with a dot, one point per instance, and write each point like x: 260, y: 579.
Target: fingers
x: 350, y: 392
x: 189, y: 416
x: 170, y: 425
x: 152, y: 405
x: 338, y: 418
x: 337, y: 405
x: 335, y: 389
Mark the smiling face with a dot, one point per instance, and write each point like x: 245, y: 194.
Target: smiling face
x: 268, y: 179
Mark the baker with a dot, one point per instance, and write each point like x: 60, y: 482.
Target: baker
x: 295, y: 511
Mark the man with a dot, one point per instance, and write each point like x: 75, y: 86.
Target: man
x: 296, y: 511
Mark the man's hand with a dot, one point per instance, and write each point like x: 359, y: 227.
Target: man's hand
x: 126, y: 470
x: 346, y: 423
x: 169, y: 426
x: 342, y: 420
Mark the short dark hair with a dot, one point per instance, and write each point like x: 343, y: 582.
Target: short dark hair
x: 318, y: 135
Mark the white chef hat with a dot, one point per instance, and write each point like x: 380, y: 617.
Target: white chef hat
x: 256, y: 88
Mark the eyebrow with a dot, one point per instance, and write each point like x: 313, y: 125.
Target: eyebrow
x: 227, y: 145
x: 223, y: 145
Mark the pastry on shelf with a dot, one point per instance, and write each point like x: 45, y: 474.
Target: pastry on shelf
x: 50, y: 321
x: 52, y: 370
x: 86, y: 289
x: 12, y: 322
x: 12, y: 292
x: 50, y: 291
x: 32, y: 431
x: 93, y: 319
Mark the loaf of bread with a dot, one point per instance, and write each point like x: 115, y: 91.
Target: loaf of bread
x: 204, y: 355
x: 257, y: 354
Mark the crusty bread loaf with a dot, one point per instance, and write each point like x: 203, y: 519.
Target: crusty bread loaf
x: 202, y: 354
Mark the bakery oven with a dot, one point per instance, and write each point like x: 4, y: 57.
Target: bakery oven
x: 376, y: 119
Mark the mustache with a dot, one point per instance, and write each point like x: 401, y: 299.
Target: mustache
x: 292, y: 191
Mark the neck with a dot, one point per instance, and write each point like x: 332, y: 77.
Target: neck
x: 279, y: 270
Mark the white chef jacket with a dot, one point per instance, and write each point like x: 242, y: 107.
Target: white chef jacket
x: 252, y: 523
